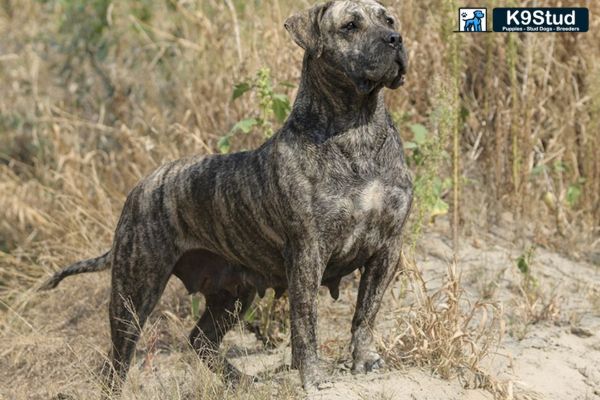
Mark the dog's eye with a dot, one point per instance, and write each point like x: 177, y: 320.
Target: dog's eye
x: 389, y: 20
x: 350, y: 26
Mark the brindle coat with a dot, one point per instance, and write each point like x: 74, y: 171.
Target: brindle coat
x: 327, y: 194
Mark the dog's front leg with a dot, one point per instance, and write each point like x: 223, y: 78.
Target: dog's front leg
x: 304, y: 269
x: 377, y: 274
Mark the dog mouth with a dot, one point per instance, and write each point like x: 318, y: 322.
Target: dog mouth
x: 368, y: 85
x: 365, y: 86
x: 399, y: 77
x: 398, y: 81
x: 393, y: 77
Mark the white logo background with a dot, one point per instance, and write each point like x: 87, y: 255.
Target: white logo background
x: 470, y: 13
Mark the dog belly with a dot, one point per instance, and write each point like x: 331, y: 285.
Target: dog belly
x: 206, y: 272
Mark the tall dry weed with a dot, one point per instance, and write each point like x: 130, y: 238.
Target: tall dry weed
x: 445, y: 332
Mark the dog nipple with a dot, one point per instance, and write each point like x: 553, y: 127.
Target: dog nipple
x: 334, y: 288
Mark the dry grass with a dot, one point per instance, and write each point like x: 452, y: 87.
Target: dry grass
x: 77, y: 131
x: 445, y: 332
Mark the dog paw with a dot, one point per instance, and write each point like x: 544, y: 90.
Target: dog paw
x: 314, y: 380
x: 367, y: 362
x: 316, y: 387
x: 62, y: 396
x: 234, y: 377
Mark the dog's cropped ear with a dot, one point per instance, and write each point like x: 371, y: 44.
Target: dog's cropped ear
x: 305, y: 28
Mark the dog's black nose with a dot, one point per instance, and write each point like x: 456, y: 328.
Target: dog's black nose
x: 393, y: 39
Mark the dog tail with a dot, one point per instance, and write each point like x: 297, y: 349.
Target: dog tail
x: 90, y: 265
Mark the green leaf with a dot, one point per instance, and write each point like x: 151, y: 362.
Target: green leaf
x: 573, y: 194
x: 436, y: 186
x: 410, y: 145
x: 464, y: 113
x: 538, y: 169
x: 245, y: 125
x: 287, y: 84
x: 419, y: 133
x: 239, y: 89
x: 223, y: 145
x: 559, y: 166
x: 195, y: 307
x: 102, y: 51
x: 250, y: 315
x: 522, y: 264
x: 281, y: 107
x: 447, y: 184
x: 439, y: 208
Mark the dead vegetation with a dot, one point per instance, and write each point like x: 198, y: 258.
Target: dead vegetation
x: 98, y: 93
x: 445, y: 332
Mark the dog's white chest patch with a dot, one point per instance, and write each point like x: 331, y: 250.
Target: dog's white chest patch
x: 363, y: 230
x: 371, y: 197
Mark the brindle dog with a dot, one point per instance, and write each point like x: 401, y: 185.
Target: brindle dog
x: 327, y: 194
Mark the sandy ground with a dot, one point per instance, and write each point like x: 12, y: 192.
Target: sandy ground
x: 557, y: 357
x: 553, y: 359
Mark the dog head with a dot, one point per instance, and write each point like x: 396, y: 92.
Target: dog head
x: 358, y: 39
x: 478, y: 14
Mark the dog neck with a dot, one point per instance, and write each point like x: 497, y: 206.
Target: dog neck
x: 329, y: 104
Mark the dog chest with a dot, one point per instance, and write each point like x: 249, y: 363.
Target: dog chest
x: 364, y: 219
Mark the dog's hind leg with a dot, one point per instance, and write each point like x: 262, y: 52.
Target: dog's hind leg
x: 134, y: 296
x: 222, y: 312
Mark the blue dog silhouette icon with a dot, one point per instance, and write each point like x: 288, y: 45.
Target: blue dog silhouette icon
x: 473, y: 24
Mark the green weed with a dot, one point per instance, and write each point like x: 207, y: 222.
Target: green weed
x: 273, y: 108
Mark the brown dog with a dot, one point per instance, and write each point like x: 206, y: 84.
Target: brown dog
x: 327, y: 194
